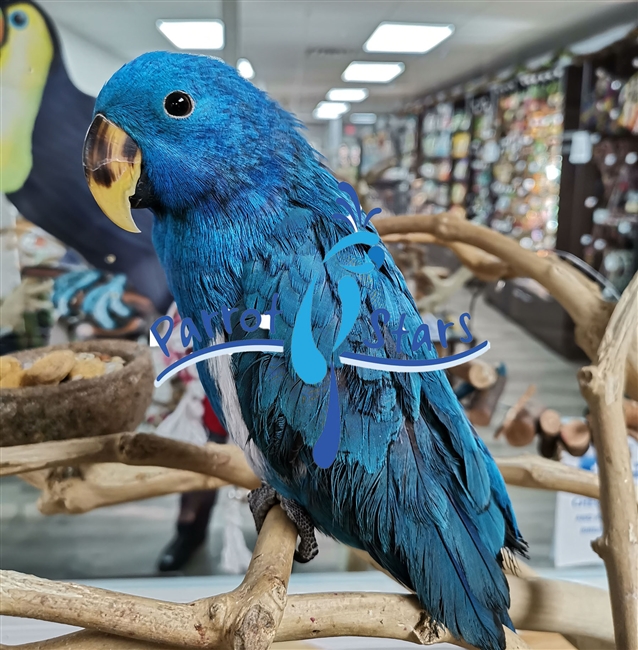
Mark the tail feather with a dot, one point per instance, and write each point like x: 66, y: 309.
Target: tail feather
x: 428, y: 541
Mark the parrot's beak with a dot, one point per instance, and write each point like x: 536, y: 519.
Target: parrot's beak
x: 112, y: 166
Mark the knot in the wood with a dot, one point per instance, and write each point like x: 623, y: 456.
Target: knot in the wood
x: 586, y: 376
x: 256, y: 630
x: 216, y: 612
x: 426, y: 630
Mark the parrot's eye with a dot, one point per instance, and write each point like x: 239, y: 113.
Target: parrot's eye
x: 178, y: 104
x: 19, y: 19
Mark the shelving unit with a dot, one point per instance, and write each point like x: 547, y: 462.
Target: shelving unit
x: 526, y: 185
x: 441, y: 180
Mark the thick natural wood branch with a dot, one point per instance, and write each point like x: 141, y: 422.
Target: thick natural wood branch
x: 602, y: 386
x: 210, y: 623
x: 551, y: 605
x: 484, y: 266
x: 107, y: 484
x: 222, y: 461
x: 110, y: 483
x: 443, y: 288
x: 387, y: 616
x: 247, y: 617
x: 580, y: 296
x: 563, y: 607
x: 88, y: 640
x: 544, y: 474
x: 537, y: 604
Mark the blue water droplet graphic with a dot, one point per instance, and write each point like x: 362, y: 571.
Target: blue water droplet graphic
x: 326, y: 448
x: 306, y: 358
x: 377, y: 255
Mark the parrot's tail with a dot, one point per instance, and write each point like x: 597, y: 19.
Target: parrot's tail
x: 434, y: 540
x: 457, y: 580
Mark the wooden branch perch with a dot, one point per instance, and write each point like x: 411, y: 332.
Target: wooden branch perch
x: 249, y: 618
x: 537, y: 604
x: 484, y: 266
x: 65, y: 495
x: 579, y: 296
x: 444, y: 288
x: 107, y: 484
x: 193, y: 624
x: 544, y: 474
x: 602, y: 386
x: 246, y: 618
x: 222, y: 461
x: 88, y: 640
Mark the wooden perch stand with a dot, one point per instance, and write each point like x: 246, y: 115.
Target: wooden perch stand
x: 579, y: 296
x: 260, y: 611
x: 602, y: 385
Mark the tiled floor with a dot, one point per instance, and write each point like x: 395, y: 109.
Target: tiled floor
x: 126, y: 540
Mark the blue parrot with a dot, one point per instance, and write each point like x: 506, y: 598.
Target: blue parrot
x: 245, y: 210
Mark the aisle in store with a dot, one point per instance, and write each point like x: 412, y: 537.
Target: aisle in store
x: 126, y: 540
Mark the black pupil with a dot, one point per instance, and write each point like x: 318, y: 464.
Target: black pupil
x: 19, y: 18
x: 178, y: 104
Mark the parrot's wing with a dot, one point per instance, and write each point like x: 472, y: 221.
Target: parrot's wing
x: 412, y: 483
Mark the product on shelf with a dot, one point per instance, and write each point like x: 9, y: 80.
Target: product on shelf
x: 628, y: 118
x: 526, y: 183
x: 483, y: 151
x: 442, y: 175
x: 603, y: 108
x: 611, y: 245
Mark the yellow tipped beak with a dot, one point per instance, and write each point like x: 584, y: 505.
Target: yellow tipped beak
x: 112, y: 166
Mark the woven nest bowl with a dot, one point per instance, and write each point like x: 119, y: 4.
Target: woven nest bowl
x: 111, y: 403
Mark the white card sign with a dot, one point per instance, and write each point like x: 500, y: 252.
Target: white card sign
x: 578, y: 522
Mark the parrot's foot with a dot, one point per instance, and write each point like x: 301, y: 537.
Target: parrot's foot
x: 264, y: 498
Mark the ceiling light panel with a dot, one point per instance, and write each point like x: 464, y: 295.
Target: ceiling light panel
x: 409, y: 38
x: 193, y: 34
x: 347, y: 94
x: 330, y: 110
x: 373, y: 71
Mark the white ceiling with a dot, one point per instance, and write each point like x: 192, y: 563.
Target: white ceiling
x: 299, y: 48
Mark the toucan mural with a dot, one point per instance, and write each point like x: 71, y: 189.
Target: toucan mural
x: 44, y: 121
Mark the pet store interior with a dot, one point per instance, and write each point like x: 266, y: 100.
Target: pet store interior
x: 494, y: 145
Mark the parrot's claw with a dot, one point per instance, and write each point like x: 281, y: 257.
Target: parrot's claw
x: 261, y: 501
x: 264, y: 498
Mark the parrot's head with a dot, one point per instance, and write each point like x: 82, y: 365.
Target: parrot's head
x: 174, y: 132
x: 28, y: 45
